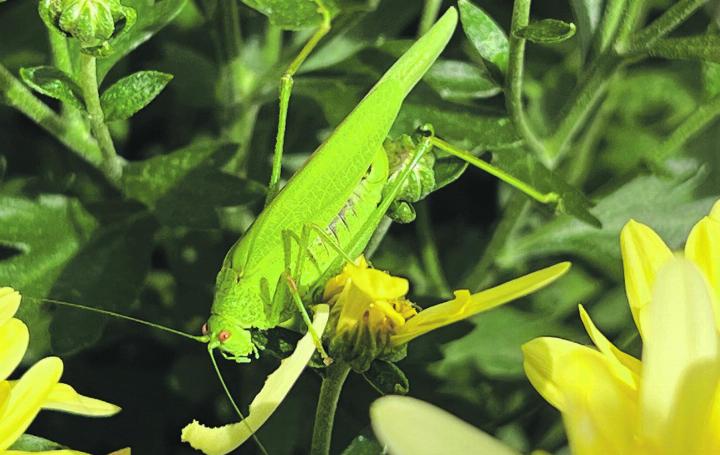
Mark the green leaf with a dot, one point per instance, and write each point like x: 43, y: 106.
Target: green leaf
x: 455, y: 80
x: 484, y: 34
x: 668, y: 205
x: 54, y: 83
x: 186, y: 187
x: 524, y: 166
x: 47, y: 233
x: 30, y: 443
x: 546, y: 31
x: 587, y: 15
x: 132, y: 93
x: 363, y: 445
x: 152, y: 16
x: 291, y: 14
x: 387, y: 378
x: 701, y: 47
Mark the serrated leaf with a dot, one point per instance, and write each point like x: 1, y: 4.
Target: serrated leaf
x: 132, y: 93
x: 546, y: 31
x: 455, y: 80
x: 485, y: 35
x: 187, y: 186
x: 702, y: 47
x: 54, y: 83
x: 527, y: 168
x: 668, y: 205
x: 152, y: 16
x: 291, y: 14
x: 387, y: 378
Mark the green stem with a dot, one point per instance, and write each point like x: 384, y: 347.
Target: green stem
x: 87, y: 77
x: 478, y: 276
x: 544, y: 198
x: 692, y: 125
x: 332, y: 385
x: 609, y: 24
x: 378, y: 236
x: 428, y: 249
x: 429, y: 15
x: 513, y: 84
x: 15, y: 94
x: 579, y: 167
x: 670, y: 19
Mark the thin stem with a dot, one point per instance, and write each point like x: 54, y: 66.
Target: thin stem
x: 609, y: 24
x: 378, y: 236
x: 88, y: 83
x: 272, y: 45
x: 478, y: 275
x: 544, y: 198
x: 428, y: 249
x: 579, y: 167
x: 286, y: 84
x: 332, y: 385
x: 692, y: 125
x: 513, y: 84
x: 15, y: 94
x: 670, y: 19
x: 429, y: 15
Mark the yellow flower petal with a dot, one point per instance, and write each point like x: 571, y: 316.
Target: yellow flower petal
x: 14, y: 338
x: 465, y: 305
x: 225, y: 439
x: 9, y: 303
x: 408, y: 426
x: 600, y: 412
x: 643, y: 253
x: 624, y: 366
x: 703, y: 248
x: 680, y: 360
x: 543, y: 360
x: 64, y: 398
x: 27, y: 397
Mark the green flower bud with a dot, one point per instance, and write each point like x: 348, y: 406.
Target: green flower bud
x: 94, y: 23
x: 419, y: 183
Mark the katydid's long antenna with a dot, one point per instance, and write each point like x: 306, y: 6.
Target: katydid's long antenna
x: 201, y: 339
x: 234, y: 405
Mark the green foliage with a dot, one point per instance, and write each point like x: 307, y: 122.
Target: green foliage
x: 546, y: 31
x: 484, y: 34
x: 702, y: 47
x: 54, y: 83
x: 130, y: 94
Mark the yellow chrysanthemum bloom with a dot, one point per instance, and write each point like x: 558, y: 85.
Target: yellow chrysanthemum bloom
x: 668, y: 403
x: 370, y: 316
x: 39, y: 388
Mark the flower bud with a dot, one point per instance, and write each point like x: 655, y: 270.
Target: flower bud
x: 94, y: 23
x: 419, y: 183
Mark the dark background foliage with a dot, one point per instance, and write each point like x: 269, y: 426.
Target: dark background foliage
x: 152, y: 249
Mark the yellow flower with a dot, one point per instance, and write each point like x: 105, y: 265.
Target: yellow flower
x: 668, y: 403
x: 370, y: 316
x: 39, y: 388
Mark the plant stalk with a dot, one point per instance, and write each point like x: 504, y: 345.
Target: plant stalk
x: 332, y: 385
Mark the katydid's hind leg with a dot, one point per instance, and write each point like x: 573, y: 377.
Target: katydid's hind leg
x: 286, y: 83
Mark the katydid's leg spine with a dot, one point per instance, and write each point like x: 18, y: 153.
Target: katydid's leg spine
x: 286, y: 83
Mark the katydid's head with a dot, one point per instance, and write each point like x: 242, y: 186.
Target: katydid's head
x: 233, y: 340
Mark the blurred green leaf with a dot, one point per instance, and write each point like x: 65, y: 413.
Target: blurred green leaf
x: 546, y: 31
x: 701, y: 47
x: 363, y: 445
x: 186, y: 187
x: 130, y: 94
x: 152, y: 16
x: 668, y: 205
x: 387, y: 378
x: 455, y: 80
x: 54, y: 83
x: 587, y: 15
x: 291, y: 14
x: 484, y: 34
x: 523, y: 165
x: 30, y: 443
x: 447, y: 170
x: 46, y: 233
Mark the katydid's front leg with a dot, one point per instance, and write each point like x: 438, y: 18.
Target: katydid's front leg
x: 286, y: 83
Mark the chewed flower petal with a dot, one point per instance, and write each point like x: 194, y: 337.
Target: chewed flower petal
x: 643, y: 253
x: 465, y: 305
x: 680, y: 360
x: 703, y: 249
x: 225, y: 439
x: 9, y: 304
x: 26, y: 399
x: 14, y: 338
x: 624, y: 366
x: 64, y: 398
x: 408, y: 426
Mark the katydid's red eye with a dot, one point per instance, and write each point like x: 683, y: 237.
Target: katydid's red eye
x: 204, y: 329
x: 223, y: 336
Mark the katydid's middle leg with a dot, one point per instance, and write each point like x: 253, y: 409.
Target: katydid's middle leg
x: 286, y: 83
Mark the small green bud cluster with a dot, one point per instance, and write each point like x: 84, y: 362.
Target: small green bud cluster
x: 419, y: 183
x: 94, y: 23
